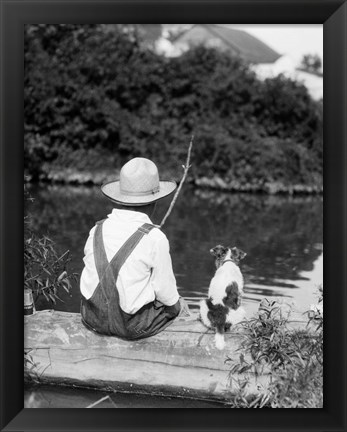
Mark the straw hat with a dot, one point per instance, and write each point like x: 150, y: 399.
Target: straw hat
x: 138, y: 184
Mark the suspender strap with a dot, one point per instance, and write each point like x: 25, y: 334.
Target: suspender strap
x: 100, y: 257
x: 122, y: 255
x: 104, y: 268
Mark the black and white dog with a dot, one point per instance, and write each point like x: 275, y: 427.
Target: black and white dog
x: 222, y: 307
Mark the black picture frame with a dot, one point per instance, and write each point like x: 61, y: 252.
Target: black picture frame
x: 331, y: 13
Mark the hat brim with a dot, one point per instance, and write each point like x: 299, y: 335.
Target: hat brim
x: 112, y: 191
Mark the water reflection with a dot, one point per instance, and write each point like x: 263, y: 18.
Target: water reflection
x: 282, y: 237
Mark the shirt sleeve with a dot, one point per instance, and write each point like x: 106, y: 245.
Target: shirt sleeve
x: 163, y: 278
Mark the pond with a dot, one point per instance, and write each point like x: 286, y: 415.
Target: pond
x: 44, y: 396
x: 282, y: 236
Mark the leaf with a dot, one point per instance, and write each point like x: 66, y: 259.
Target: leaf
x: 56, y: 295
x: 297, y: 354
x: 51, y: 297
x: 66, y: 288
x: 244, y: 369
x: 62, y: 275
x: 255, y: 402
x: 264, y: 400
x: 62, y: 256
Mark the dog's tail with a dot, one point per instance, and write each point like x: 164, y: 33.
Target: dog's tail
x: 219, y: 336
x: 217, y: 315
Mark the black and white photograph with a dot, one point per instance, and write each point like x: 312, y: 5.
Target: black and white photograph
x: 173, y: 216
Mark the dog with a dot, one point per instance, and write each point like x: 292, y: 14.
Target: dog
x: 222, y: 307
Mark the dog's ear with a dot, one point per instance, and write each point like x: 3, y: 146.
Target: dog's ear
x: 237, y: 254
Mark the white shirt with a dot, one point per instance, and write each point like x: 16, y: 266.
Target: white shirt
x: 146, y: 275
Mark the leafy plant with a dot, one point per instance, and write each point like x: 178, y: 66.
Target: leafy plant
x: 45, y: 272
x: 292, y: 358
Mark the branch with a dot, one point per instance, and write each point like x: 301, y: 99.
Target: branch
x: 97, y: 402
x: 186, y: 168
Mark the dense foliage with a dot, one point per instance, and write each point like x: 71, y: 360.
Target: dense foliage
x: 94, y: 97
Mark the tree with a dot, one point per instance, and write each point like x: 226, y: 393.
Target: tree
x: 311, y: 63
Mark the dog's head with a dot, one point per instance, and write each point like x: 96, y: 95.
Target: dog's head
x: 221, y: 253
x: 237, y: 255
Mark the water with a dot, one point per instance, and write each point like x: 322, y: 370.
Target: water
x: 45, y: 396
x: 283, y: 238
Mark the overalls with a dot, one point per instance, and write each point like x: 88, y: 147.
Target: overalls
x: 102, y: 312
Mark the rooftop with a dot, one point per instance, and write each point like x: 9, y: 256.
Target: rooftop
x: 238, y: 42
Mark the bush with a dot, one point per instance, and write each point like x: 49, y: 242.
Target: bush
x: 91, y: 89
x: 294, y: 359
